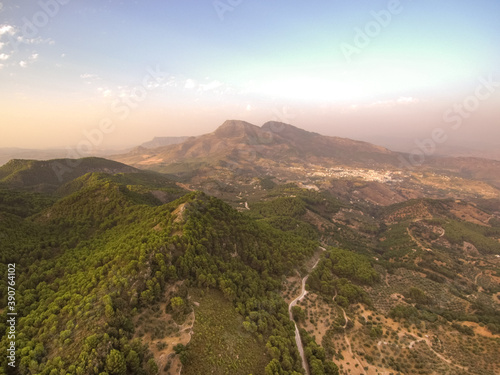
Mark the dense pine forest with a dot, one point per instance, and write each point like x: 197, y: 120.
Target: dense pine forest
x: 89, y: 259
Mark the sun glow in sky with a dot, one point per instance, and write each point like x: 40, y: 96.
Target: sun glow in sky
x: 359, y: 69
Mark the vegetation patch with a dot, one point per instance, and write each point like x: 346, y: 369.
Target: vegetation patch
x: 220, y: 344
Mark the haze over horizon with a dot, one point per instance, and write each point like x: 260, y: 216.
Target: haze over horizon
x: 383, y: 71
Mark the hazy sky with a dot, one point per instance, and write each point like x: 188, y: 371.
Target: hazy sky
x: 125, y: 71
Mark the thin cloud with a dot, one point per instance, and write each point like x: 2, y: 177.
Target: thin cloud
x: 7, y: 29
x: 39, y: 40
x: 392, y: 103
x: 407, y: 100
x: 401, y: 101
x: 190, y: 84
x: 105, y: 91
x: 214, y: 85
x: 90, y: 78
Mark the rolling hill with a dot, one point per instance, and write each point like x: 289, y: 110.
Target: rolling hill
x: 49, y: 175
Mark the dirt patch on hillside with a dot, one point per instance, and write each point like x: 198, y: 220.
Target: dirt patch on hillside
x: 496, y: 297
x: 470, y: 213
x: 162, y: 356
x: 160, y: 331
x: 179, y: 213
x: 478, y: 330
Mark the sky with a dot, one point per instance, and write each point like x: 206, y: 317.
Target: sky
x: 114, y: 74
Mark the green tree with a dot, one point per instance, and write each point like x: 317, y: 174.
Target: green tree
x: 418, y: 295
x: 273, y: 368
x: 115, y: 363
x: 177, y: 304
x: 152, y: 367
x: 331, y: 368
x: 133, y: 361
x: 298, y: 314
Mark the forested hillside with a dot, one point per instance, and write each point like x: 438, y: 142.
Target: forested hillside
x: 48, y: 175
x: 88, y: 263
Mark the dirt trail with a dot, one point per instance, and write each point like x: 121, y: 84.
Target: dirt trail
x: 440, y: 356
x: 298, y: 340
x: 477, y: 277
x: 419, y: 244
x: 386, y: 279
x: 347, y: 341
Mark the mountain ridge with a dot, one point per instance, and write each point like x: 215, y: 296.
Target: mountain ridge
x: 236, y: 137
x: 48, y: 175
x: 163, y: 141
x: 274, y: 148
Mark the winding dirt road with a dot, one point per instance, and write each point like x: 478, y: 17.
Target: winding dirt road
x: 298, y: 340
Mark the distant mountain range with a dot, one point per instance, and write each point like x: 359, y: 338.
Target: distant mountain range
x: 244, y: 143
x: 239, y: 145
x: 406, y: 144
x: 238, y: 148
x: 9, y: 153
x: 163, y: 141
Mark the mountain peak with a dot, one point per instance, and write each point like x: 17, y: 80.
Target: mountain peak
x: 287, y: 130
x: 235, y: 129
